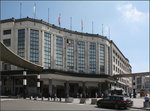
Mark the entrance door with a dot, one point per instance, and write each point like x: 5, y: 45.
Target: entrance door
x: 60, y: 91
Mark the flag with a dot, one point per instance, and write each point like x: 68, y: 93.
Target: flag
x: 82, y: 25
x: 59, y: 20
x: 68, y: 42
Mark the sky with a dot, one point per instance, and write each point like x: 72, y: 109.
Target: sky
x: 128, y: 22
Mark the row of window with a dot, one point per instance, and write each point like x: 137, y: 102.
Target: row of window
x: 34, y: 51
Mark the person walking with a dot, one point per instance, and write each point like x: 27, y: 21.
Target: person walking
x: 146, y: 98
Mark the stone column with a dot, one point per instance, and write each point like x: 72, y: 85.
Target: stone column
x: 67, y: 87
x: 84, y: 89
x: 99, y: 89
x: 50, y: 88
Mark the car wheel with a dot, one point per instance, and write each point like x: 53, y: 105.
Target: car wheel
x: 125, y: 107
x: 116, y: 106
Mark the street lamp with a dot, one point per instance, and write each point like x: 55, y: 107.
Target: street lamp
x: 24, y: 84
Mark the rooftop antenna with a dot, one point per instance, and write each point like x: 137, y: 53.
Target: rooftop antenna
x: 48, y: 15
x: 20, y: 10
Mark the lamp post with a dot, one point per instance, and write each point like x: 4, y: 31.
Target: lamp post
x: 38, y: 85
x: 24, y: 84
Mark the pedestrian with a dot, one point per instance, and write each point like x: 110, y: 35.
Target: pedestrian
x: 102, y: 95
x: 55, y: 96
x: 80, y: 95
x: 96, y: 95
x: 146, y: 98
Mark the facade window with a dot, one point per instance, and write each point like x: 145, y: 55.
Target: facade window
x: 47, y: 50
x: 7, y: 42
x: 70, y: 54
x: 5, y: 32
x: 34, y: 46
x: 102, y: 58
x: 108, y: 61
x: 59, y: 52
x: 114, y: 67
x: 81, y: 56
x: 92, y: 58
x: 113, y: 59
x: 21, y: 42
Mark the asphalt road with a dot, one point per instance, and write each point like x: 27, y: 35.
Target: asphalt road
x: 46, y: 105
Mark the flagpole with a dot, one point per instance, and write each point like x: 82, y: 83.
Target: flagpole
x: 70, y: 23
x: 20, y: 9
x: 92, y: 27
x: 82, y: 25
x: 102, y: 29
x: 109, y: 32
x: 48, y: 15
x: 34, y: 12
x: 34, y: 9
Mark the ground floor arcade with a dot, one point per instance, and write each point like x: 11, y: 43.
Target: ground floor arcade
x: 59, y: 85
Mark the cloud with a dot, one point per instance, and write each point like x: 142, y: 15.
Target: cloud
x: 131, y: 14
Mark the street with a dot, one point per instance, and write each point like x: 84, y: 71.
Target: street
x: 21, y: 104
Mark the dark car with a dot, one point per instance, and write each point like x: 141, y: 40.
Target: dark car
x: 115, y: 101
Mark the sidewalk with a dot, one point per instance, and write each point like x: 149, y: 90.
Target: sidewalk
x: 138, y: 103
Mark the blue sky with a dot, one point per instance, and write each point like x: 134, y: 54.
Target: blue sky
x: 128, y: 22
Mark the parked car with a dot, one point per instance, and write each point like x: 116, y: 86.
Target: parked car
x: 115, y: 101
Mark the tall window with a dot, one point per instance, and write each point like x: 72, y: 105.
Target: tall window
x: 70, y: 54
x: 92, y: 58
x: 102, y: 58
x: 21, y: 42
x: 47, y: 50
x: 34, y: 46
x: 81, y: 56
x: 108, y: 60
x: 59, y: 52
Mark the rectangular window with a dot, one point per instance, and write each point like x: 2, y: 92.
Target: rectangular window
x: 102, y: 58
x: 47, y: 50
x: 5, y: 32
x: 92, y: 58
x: 108, y: 60
x: 34, y: 46
x: 81, y: 56
x: 7, y: 42
x: 70, y: 54
x: 21, y: 42
x: 59, y: 52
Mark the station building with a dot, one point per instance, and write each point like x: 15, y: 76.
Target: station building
x: 73, y: 62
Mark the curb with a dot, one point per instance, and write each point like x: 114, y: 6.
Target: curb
x: 141, y: 108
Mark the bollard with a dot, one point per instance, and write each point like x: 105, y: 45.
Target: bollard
x: 48, y: 98
x: 31, y: 97
x: 42, y: 98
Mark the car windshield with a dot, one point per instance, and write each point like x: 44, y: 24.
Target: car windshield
x: 126, y: 98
